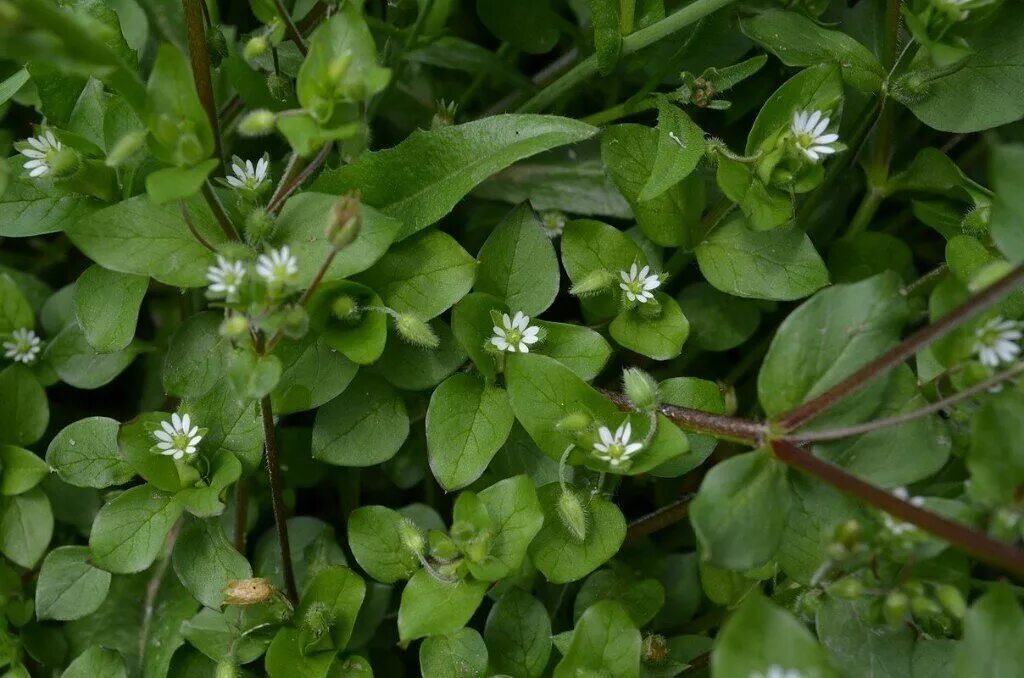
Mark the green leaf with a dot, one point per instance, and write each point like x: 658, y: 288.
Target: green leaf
x: 641, y: 598
x: 344, y: 36
x: 829, y: 337
x: 605, y: 642
x: 976, y: 94
x: 434, y: 608
x: 579, y: 348
x: 740, y: 512
x: 339, y: 592
x: 760, y: 635
x: 130, y: 530
x: 136, y: 236
x: 420, y: 180
x: 197, y: 356
x: 360, y: 337
x: 226, y: 635
x: 178, y: 183
x: 996, y: 455
x: 301, y: 224
x: 518, y: 635
x: 26, y: 525
x: 799, y: 41
x: 97, y: 661
x: 205, y: 561
x: 517, y: 264
x: 559, y: 553
x: 375, y: 537
x: 514, y: 509
x: 363, y: 426
x: 1007, y: 217
x: 818, y: 88
x: 15, y: 311
x: 313, y: 548
x: 604, y: 16
x: 853, y: 643
x: 471, y: 324
x: 660, y: 337
x: 467, y: 422
x: 312, y: 373
x: 80, y: 365
x: 991, y: 629
x: 29, y: 207
x: 286, y: 657
x: 461, y: 654
x: 69, y: 587
x: 530, y: 25
x: 107, y: 307
x: 26, y: 412
x: 415, y: 368
x: 718, y: 321
x: 177, y: 123
x: 423, y: 276
x: 780, y: 264
x: 20, y: 470
x: 680, y: 148
x: 232, y: 424
x: 668, y: 218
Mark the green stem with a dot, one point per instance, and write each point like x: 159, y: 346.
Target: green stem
x: 219, y: 213
x: 612, y: 114
x: 398, y: 59
x: 627, y: 10
x: 631, y: 44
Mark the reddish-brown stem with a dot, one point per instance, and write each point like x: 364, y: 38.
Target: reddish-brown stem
x: 277, y: 498
x: 218, y: 212
x: 977, y: 544
x: 286, y: 189
x: 905, y: 349
x: 290, y: 28
x: 192, y: 227
x: 698, y: 421
x: 657, y: 520
x: 195, y: 27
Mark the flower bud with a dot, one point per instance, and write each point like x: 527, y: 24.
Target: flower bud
x: 248, y: 591
x: 847, y: 587
x: 259, y: 224
x: 316, y: 621
x: 976, y: 221
x: 280, y: 86
x: 654, y: 649
x: 64, y: 163
x: 234, y: 326
x: 296, y: 321
x: 344, y: 307
x: 216, y: 45
x: 339, y: 67
x: 416, y: 331
x: 924, y: 607
x: 573, y: 514
x: 345, y: 222
x: 849, y: 533
x: 256, y: 47
x: 411, y: 536
x: 257, y: 123
x: 444, y: 114
x: 125, y: 147
x: 593, y: 283
x: 574, y: 423
x: 952, y: 600
x: 895, y: 608
x: 226, y: 669
x: 640, y: 388
x: 188, y: 150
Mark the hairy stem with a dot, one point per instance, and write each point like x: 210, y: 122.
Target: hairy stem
x: 192, y: 227
x: 218, y: 212
x: 195, y: 28
x: 290, y: 28
x: 277, y: 498
x: 659, y: 519
x: 635, y: 42
x: 905, y: 349
x: 973, y: 542
x: 698, y: 421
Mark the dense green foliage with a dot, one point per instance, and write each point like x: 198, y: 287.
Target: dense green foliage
x: 625, y: 338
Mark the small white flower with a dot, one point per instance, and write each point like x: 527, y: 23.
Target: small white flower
x: 616, y: 448
x: 247, y: 176
x: 39, y: 155
x: 278, y: 266
x: 24, y: 346
x: 638, y: 283
x: 898, y: 527
x: 516, y: 335
x: 997, y: 342
x: 809, y: 131
x: 777, y: 672
x: 554, y: 223
x: 178, y: 437
x: 226, y: 277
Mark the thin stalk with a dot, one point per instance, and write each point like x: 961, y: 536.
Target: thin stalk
x: 631, y: 44
x: 153, y: 587
x: 277, y: 498
x: 899, y: 419
x: 610, y: 115
x: 192, y: 227
x: 973, y: 542
x: 655, y: 521
x: 241, y: 513
x: 285, y: 190
x: 926, y: 283
x: 195, y: 29
x: 905, y: 349
x: 698, y: 421
x: 290, y: 28
x: 627, y: 10
x: 304, y: 299
x: 218, y: 212
x: 398, y: 59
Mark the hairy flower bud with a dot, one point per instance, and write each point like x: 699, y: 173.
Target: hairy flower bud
x: 640, y: 388
x: 280, y: 86
x: 573, y: 514
x: 257, y: 123
x: 849, y: 533
x: 952, y: 600
x: 346, y: 221
x: 344, y: 306
x: 248, y: 591
x: 416, y: 331
x: 593, y: 283
x: 847, y: 587
x: 924, y: 607
x: 234, y: 326
x: 895, y: 608
x: 654, y: 649
x: 216, y: 45
x: 296, y: 321
x: 226, y: 669
x: 316, y: 621
x: 256, y: 47
x: 411, y: 536
x: 258, y: 226
x: 64, y: 163
x: 576, y: 422
x: 125, y: 147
